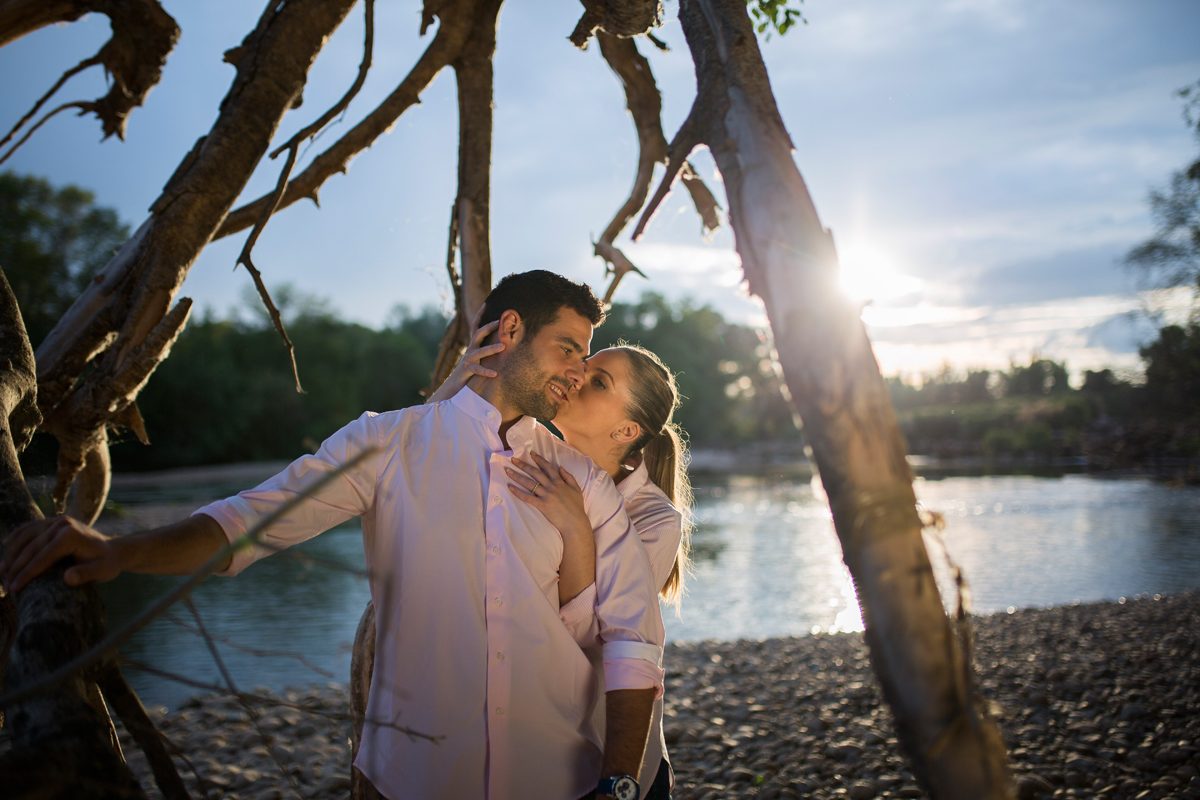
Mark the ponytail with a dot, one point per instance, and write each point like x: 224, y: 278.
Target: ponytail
x: 663, y: 448
x: 666, y: 460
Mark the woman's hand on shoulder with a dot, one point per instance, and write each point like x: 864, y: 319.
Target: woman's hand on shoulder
x: 553, y: 491
x: 469, y: 365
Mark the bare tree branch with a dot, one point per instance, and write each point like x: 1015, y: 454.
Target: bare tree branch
x: 39, y: 681
x: 251, y: 713
x: 452, y: 33
x: 472, y: 206
x: 128, y: 707
x: 143, y: 35
x: 122, y: 310
x: 292, y: 147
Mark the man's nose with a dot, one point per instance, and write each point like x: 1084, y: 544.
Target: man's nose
x: 575, y: 375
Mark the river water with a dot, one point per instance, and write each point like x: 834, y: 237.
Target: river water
x: 767, y: 563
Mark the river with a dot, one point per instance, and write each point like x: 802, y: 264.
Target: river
x: 767, y: 563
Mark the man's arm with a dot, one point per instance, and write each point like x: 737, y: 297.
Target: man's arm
x: 627, y: 724
x: 177, y: 549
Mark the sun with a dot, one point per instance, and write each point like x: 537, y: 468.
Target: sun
x: 868, y: 275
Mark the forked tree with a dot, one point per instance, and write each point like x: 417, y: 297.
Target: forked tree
x: 91, y: 367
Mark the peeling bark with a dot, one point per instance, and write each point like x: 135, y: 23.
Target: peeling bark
x: 790, y: 262
x: 120, y: 325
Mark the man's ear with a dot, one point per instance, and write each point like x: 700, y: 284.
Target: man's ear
x: 512, y: 328
x: 627, y: 432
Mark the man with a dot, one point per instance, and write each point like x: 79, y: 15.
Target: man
x: 470, y: 647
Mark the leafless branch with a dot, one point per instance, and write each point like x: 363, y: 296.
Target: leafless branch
x: 184, y: 588
x: 251, y: 713
x: 75, y: 70
x: 34, y: 129
x: 265, y: 699
x: 624, y: 18
x: 292, y: 147
x: 445, y: 47
x: 124, y: 701
x: 258, y: 652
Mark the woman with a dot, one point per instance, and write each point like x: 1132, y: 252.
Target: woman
x: 620, y: 417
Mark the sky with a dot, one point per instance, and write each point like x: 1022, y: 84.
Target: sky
x: 983, y: 164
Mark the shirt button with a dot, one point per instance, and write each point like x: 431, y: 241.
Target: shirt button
x: 499, y: 711
x: 494, y: 549
x: 498, y: 600
x: 500, y: 655
x: 495, y: 499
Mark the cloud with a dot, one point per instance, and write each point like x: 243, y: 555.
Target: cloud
x: 1076, y: 273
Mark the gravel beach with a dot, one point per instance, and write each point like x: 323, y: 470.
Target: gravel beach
x: 1095, y: 701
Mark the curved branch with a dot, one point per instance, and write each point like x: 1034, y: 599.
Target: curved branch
x: 445, y: 48
x: 66, y: 76
x: 143, y: 35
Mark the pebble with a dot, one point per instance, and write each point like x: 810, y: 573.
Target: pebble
x: 1095, y: 700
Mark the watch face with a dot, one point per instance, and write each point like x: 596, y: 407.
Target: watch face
x: 625, y: 788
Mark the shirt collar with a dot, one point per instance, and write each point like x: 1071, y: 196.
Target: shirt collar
x: 634, y: 481
x: 519, y: 435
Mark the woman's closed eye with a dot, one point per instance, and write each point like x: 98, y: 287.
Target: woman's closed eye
x: 598, y: 382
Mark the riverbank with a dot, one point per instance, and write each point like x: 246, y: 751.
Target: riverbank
x: 1095, y: 701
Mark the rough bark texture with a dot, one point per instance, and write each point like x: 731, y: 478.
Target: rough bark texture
x: 121, y: 325
x: 62, y: 742
x: 790, y: 262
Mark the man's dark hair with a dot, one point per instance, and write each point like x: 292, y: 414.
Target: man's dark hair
x: 537, y: 296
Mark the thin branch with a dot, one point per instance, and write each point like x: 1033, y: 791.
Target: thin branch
x: 680, y: 148
x: 445, y: 47
x: 155, y: 609
x: 257, y: 652
x: 233, y: 691
x: 66, y: 76
x: 266, y: 699
x: 75, y: 104
x: 292, y: 147
x: 125, y: 702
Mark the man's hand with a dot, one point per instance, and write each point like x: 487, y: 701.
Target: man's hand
x: 36, y: 546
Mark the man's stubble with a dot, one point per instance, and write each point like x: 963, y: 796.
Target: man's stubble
x: 525, y: 385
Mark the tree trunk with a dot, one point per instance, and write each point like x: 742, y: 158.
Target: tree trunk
x: 790, y: 262
x: 62, y: 740
x: 120, y: 325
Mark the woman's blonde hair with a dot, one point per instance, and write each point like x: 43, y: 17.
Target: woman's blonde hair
x: 654, y: 396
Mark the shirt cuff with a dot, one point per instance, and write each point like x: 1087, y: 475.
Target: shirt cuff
x: 235, y: 516
x: 632, y: 673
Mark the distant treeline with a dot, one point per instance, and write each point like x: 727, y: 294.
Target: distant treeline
x: 1031, y: 411
x: 226, y: 394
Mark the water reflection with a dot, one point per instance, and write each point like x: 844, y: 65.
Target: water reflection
x: 768, y: 563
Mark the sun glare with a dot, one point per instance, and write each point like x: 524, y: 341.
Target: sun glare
x: 868, y: 275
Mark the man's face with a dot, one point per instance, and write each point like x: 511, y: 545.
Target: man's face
x: 543, y: 369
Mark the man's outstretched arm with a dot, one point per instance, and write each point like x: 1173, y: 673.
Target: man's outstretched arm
x: 177, y: 549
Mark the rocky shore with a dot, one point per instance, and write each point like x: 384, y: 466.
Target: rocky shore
x: 1095, y: 701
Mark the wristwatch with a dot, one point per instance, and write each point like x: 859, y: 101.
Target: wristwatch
x: 621, y: 787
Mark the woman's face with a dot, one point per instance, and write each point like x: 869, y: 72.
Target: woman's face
x: 597, y: 408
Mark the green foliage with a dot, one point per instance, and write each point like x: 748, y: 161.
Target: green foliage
x: 775, y: 15
x: 52, y: 241
x: 1172, y: 256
